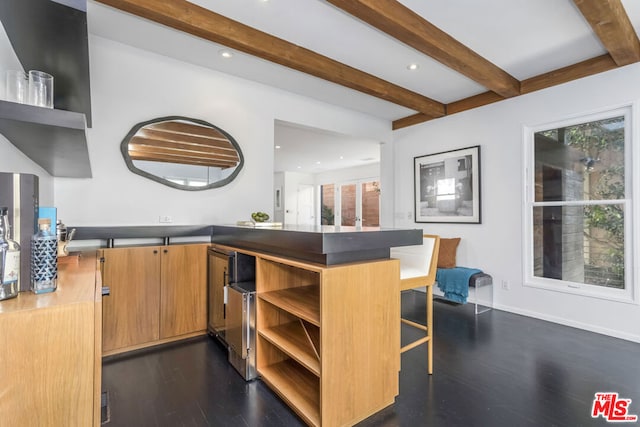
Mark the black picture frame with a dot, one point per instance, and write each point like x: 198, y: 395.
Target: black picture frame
x: 447, y: 187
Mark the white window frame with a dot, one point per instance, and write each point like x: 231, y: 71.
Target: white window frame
x: 630, y: 204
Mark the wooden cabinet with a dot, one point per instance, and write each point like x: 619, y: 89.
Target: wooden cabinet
x: 131, y: 310
x: 50, y: 348
x: 328, y: 337
x: 158, y: 294
x: 183, y: 290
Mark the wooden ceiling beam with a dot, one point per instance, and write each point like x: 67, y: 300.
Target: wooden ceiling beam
x: 138, y: 142
x: 611, y: 24
x: 185, y: 139
x: 184, y: 128
x: 137, y: 151
x: 582, y: 69
x: 201, y: 22
x: 174, y: 159
x: 403, y: 24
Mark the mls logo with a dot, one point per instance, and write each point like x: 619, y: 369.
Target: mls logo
x: 612, y: 408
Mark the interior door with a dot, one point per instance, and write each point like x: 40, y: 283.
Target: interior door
x: 306, y: 206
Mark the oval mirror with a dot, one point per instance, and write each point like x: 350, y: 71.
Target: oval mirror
x: 183, y: 153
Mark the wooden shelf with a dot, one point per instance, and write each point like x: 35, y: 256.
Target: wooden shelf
x: 296, y: 386
x: 327, y: 339
x: 292, y: 340
x: 302, y: 302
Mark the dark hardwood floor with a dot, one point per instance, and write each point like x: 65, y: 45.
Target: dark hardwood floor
x: 494, y: 369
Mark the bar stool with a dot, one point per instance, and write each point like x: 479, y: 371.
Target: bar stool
x: 418, y: 266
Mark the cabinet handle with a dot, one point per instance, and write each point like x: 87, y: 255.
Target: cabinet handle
x: 155, y: 251
x: 166, y: 251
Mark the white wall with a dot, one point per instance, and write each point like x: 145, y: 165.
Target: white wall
x: 13, y: 160
x: 348, y: 174
x: 496, y: 245
x: 130, y: 85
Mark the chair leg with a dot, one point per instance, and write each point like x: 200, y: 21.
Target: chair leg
x: 430, y: 329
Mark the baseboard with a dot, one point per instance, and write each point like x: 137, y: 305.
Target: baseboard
x: 559, y: 320
x: 562, y: 321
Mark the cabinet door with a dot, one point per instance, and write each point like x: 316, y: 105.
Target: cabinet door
x: 218, y: 264
x: 130, y: 312
x: 183, y: 305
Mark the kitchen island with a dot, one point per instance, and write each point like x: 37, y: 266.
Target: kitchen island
x: 328, y: 316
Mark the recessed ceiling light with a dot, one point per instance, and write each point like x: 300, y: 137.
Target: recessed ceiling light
x: 277, y: 147
x: 413, y: 67
x: 317, y: 163
x: 341, y: 157
x: 226, y: 53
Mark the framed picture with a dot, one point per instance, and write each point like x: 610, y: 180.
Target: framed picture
x: 447, y: 186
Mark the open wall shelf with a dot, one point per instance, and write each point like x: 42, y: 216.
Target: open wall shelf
x: 51, y: 36
x: 54, y: 139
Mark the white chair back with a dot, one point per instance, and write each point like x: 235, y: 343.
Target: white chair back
x: 415, y: 261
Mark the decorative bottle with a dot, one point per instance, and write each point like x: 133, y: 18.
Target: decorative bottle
x: 44, y: 260
x: 9, y: 259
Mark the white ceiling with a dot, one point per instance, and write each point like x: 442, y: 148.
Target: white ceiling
x: 302, y: 149
x: 523, y: 37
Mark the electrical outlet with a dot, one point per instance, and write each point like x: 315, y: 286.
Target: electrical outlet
x: 505, y: 285
x: 165, y: 219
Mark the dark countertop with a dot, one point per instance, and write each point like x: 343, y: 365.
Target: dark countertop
x: 139, y: 231
x: 327, y: 245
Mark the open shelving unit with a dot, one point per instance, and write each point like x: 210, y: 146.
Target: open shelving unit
x: 328, y: 336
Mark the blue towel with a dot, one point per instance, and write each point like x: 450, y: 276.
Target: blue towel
x: 454, y: 282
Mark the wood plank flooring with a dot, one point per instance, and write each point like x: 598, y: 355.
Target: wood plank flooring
x: 495, y: 369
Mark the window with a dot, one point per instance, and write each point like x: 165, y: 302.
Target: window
x: 579, y: 206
